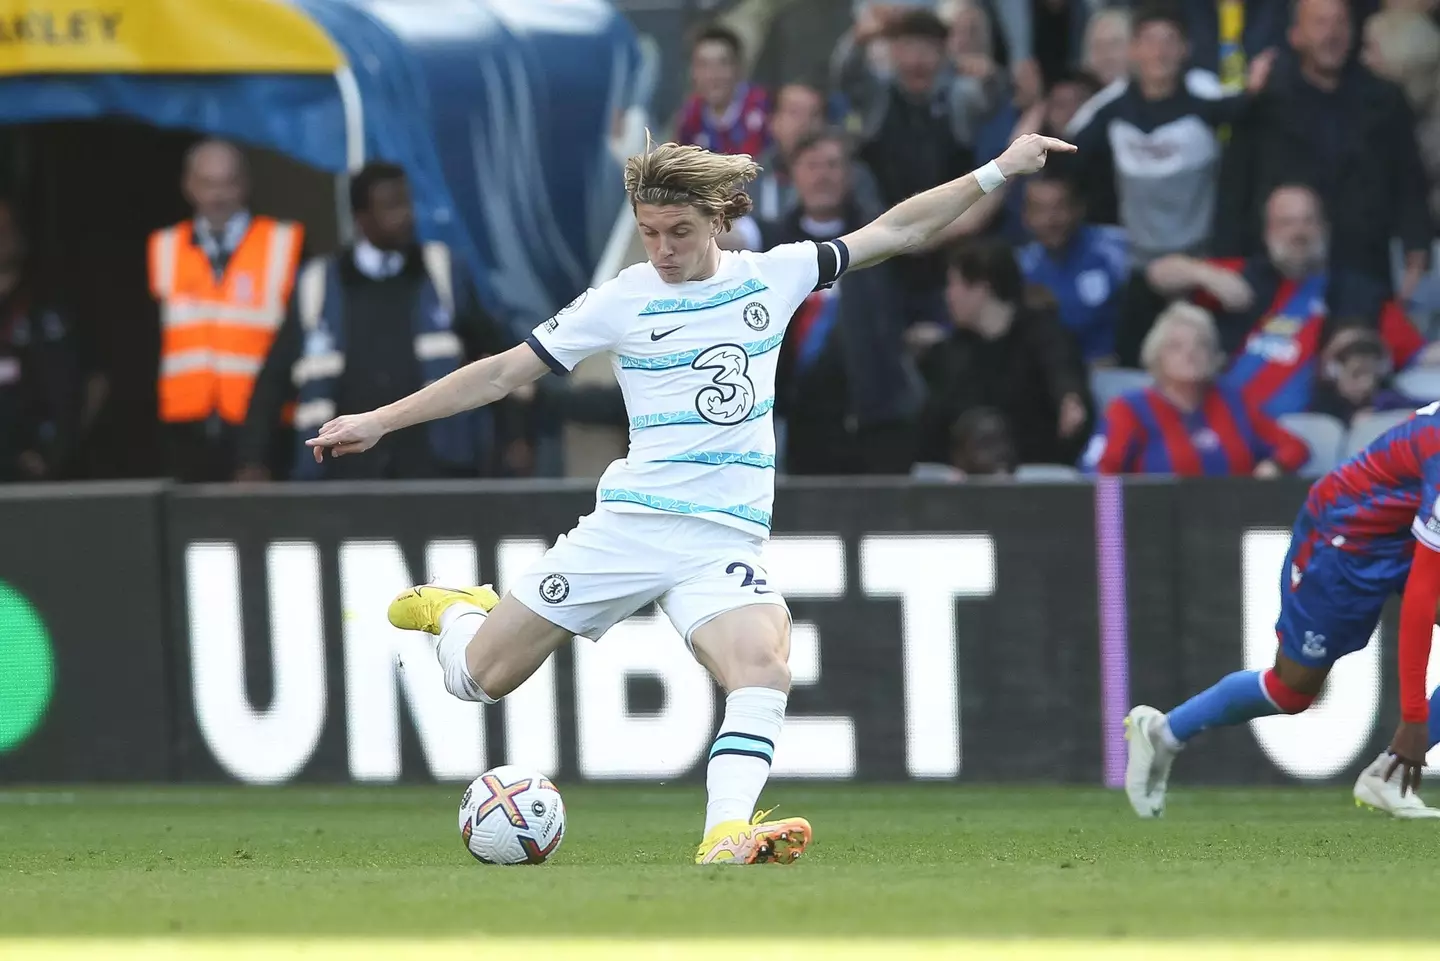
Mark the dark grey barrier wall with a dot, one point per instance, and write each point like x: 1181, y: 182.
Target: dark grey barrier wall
x: 1206, y: 562
x: 940, y: 633
x: 927, y: 624
x: 84, y: 692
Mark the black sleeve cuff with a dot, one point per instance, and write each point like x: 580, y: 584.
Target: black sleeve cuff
x: 833, y: 257
x: 545, y: 355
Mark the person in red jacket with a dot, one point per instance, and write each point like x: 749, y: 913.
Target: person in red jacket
x: 1186, y: 423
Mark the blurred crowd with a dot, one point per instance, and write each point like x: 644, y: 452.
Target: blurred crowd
x: 1233, y: 275
x: 259, y: 344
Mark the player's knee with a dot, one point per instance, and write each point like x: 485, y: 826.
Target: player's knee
x: 776, y: 672
x: 759, y: 664
x: 1288, y: 697
x: 748, y: 647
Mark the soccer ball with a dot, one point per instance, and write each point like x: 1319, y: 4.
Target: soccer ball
x: 511, y: 815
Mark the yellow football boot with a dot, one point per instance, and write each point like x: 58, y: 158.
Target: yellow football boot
x: 419, y: 608
x: 757, y: 842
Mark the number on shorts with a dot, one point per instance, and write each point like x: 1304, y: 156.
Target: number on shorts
x: 730, y: 396
x: 750, y: 579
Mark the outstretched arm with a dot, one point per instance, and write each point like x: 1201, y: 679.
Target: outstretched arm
x: 474, y: 385
x: 912, y: 224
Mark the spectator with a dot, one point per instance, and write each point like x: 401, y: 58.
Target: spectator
x: 1053, y: 114
x: 1226, y: 35
x: 724, y: 114
x: 1107, y: 45
x: 974, y: 54
x: 1083, y: 266
x: 1050, y: 117
x: 1066, y: 96
x: 1404, y: 48
x: 799, y: 112
x: 1349, y: 135
x: 222, y: 280
x: 1046, y: 37
x: 1273, y: 307
x: 972, y: 46
x: 1186, y: 423
x: 919, y: 119
x: 40, y: 370
x: 799, y: 115
x: 1001, y: 118
x: 1006, y: 354
x: 1153, y: 138
x: 980, y: 446
x: 917, y: 123
x: 368, y: 325
x: 846, y: 388
x: 1355, y: 376
x: 994, y: 103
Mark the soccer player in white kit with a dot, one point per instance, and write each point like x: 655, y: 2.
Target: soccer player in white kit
x: 693, y: 335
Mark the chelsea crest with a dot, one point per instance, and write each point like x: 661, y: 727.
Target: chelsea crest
x: 756, y: 316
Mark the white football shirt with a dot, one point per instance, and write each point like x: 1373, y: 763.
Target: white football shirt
x: 696, y: 364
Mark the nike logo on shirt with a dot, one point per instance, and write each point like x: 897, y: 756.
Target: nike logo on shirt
x: 658, y: 335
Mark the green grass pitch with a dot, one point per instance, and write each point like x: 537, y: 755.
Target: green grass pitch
x: 925, y: 868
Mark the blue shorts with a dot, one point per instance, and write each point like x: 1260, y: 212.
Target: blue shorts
x: 1331, y: 599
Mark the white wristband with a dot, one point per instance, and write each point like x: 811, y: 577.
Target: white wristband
x: 989, y: 177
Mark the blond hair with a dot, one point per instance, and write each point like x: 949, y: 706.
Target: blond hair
x: 1177, y: 315
x: 673, y: 174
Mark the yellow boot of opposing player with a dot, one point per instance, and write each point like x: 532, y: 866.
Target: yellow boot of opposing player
x: 419, y: 608
x: 757, y: 842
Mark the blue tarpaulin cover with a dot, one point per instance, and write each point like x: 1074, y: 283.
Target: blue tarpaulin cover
x: 499, y: 110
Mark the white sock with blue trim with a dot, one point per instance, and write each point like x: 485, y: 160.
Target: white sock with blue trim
x: 741, y: 755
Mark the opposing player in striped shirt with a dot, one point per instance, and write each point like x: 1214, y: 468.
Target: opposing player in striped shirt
x: 1369, y: 529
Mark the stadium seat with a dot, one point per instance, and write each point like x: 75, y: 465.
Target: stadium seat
x: 934, y: 473
x: 1046, y: 473
x: 1422, y: 383
x: 1323, y: 434
x: 1365, y: 428
x: 1108, y: 383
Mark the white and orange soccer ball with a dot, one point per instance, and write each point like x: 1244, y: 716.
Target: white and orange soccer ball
x: 512, y: 815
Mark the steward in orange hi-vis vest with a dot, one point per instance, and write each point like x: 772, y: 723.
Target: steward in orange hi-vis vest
x: 216, y: 330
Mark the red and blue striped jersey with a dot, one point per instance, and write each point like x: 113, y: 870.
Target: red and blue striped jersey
x: 1275, y: 369
x: 1376, y: 501
x: 745, y: 127
x: 1144, y: 433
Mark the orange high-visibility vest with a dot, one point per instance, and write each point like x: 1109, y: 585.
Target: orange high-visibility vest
x: 214, y: 335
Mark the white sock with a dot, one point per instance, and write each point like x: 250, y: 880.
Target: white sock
x: 741, y: 755
x: 458, y: 624
x: 448, y: 616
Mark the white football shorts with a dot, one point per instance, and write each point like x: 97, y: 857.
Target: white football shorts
x: 613, y: 564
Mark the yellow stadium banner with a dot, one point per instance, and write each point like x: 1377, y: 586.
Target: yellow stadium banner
x: 161, y: 36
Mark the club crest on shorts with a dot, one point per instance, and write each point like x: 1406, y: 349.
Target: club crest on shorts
x: 554, y: 588
x: 756, y: 316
